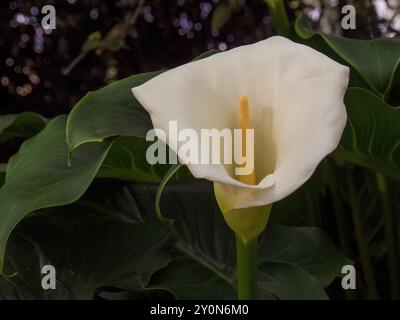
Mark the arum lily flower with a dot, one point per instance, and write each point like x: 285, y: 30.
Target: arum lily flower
x: 290, y: 94
x: 295, y: 100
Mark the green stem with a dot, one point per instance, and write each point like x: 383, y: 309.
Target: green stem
x: 246, y: 269
x: 279, y: 17
x: 362, y: 241
x: 389, y: 223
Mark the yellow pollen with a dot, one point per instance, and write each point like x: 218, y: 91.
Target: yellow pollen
x: 245, y: 123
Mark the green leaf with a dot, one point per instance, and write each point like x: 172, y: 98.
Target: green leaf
x: 23, y: 125
x: 374, y: 63
x: 38, y: 177
x: 220, y: 16
x: 48, y: 181
x: 21, y: 256
x: 278, y: 245
x: 372, y: 135
x: 288, y: 282
x: 205, y: 254
x: 109, y: 111
x: 187, y: 278
x: 89, y: 249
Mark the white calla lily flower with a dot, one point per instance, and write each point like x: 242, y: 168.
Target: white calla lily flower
x: 295, y: 97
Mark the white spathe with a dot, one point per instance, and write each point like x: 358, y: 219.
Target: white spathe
x: 295, y: 98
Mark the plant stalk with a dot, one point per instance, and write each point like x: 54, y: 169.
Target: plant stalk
x: 246, y: 269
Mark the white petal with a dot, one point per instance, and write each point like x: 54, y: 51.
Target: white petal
x: 296, y: 102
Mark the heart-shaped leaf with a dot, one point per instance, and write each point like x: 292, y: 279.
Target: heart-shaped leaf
x: 89, y: 247
x: 38, y: 177
x: 48, y: 181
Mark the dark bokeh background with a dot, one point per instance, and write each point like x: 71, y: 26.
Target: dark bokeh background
x: 166, y: 33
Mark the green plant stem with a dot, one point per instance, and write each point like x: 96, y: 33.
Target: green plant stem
x: 246, y: 269
x: 279, y: 17
x: 362, y: 241
x: 389, y: 223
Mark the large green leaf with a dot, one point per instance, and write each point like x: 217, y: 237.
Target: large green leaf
x: 285, y: 281
x: 90, y: 248
x: 293, y: 260
x: 38, y: 177
x: 23, y: 125
x: 374, y: 63
x: 109, y: 111
x: 372, y: 135
x: 315, y: 253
